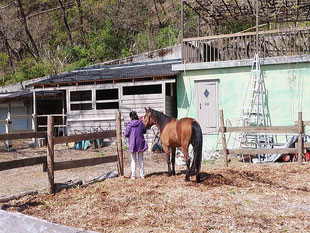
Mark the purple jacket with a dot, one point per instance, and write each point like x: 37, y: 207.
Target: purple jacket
x: 134, y: 131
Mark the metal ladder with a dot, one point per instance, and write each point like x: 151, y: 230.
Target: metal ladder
x: 255, y: 110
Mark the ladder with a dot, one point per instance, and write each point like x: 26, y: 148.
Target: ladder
x: 255, y: 110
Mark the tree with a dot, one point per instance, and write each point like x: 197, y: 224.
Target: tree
x: 24, y: 22
x: 65, y: 18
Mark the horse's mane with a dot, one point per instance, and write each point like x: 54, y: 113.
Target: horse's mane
x: 161, y: 119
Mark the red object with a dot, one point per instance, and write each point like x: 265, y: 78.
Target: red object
x: 307, y: 157
x: 286, y: 158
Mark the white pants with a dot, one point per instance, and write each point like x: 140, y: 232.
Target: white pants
x: 133, y: 164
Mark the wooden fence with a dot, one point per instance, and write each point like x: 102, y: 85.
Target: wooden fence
x: 298, y: 128
x: 49, y: 165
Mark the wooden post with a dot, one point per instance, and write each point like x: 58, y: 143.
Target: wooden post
x: 34, y: 115
x: 9, y: 126
x: 50, y: 153
x: 223, y: 131
x: 119, y: 144
x: 300, y: 139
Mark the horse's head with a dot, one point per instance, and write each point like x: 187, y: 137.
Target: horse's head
x: 148, y: 119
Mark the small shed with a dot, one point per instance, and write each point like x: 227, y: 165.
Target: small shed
x: 93, y: 95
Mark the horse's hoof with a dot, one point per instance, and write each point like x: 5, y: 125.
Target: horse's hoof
x: 198, y: 178
x: 169, y: 174
x: 187, y: 179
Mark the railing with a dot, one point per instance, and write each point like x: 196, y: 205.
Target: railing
x: 298, y: 129
x: 242, y: 45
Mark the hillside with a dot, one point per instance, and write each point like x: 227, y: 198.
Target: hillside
x: 41, y: 37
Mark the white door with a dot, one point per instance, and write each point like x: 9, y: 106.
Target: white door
x: 207, y: 106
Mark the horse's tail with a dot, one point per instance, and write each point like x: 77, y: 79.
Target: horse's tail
x: 196, y: 141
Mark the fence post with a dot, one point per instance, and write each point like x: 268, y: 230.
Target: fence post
x: 8, y: 126
x: 223, y: 131
x: 120, y: 164
x: 300, y: 139
x: 50, y: 153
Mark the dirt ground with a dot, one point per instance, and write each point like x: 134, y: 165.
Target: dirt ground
x: 244, y: 197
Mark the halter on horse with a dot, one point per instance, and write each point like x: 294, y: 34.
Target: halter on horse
x: 177, y: 133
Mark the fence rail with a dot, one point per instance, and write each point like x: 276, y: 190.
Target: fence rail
x: 238, y: 46
x: 49, y: 165
x: 299, y: 129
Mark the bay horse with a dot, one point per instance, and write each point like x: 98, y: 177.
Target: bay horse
x: 177, y: 133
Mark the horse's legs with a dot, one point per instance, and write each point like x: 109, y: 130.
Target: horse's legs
x: 167, y: 152
x: 173, y: 160
x: 187, y: 161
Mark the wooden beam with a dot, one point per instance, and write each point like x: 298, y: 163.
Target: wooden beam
x: 300, y: 139
x: 86, y: 136
x: 13, y: 136
x: 262, y: 151
x: 83, y: 162
x: 119, y: 144
x: 263, y: 129
x: 50, y: 154
x: 22, y: 163
x: 223, y: 138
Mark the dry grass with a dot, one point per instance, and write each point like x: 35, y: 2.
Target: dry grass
x: 242, y: 198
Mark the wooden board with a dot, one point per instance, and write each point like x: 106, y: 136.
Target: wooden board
x: 84, y: 162
x: 263, y: 151
x: 87, y: 136
x: 13, y: 136
x: 22, y: 163
x: 263, y: 129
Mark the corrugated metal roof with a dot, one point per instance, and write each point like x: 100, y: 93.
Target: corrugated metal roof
x: 113, y: 72
x: 24, y: 94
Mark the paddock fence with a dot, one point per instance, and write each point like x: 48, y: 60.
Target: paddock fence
x: 298, y: 128
x: 49, y: 164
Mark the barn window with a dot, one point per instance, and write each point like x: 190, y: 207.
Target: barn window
x: 81, y: 100
x: 80, y: 95
x: 107, y: 99
x: 141, y: 90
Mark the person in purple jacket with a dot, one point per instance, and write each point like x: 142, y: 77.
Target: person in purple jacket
x: 137, y: 144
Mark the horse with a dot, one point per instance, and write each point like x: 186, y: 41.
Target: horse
x: 177, y: 133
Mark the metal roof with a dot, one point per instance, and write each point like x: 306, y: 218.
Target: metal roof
x: 25, y: 94
x: 97, y: 73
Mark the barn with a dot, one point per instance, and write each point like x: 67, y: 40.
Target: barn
x: 90, y: 97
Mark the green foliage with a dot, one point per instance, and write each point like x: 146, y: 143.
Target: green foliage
x: 29, y: 68
x: 4, y: 61
x: 167, y: 37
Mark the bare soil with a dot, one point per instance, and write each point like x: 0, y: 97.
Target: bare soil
x: 244, y: 197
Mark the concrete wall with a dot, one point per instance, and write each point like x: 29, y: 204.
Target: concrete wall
x: 288, y: 87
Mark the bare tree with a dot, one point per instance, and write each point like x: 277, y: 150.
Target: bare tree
x: 81, y: 18
x: 8, y: 47
x: 65, y: 18
x: 24, y: 22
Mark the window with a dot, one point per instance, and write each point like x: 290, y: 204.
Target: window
x: 81, y: 100
x: 140, y: 90
x: 80, y: 95
x: 107, y: 99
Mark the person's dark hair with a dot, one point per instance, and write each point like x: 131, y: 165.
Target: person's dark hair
x: 133, y: 115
